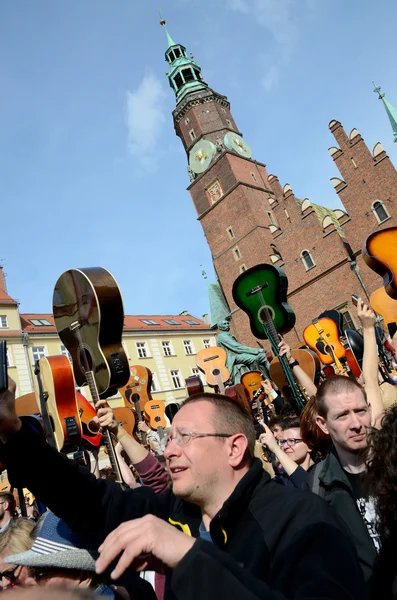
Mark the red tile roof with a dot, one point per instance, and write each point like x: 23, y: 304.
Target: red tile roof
x: 131, y: 323
x: 5, y: 298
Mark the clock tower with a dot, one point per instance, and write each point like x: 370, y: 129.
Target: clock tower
x: 229, y: 189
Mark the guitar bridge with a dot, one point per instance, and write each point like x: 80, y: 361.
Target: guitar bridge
x: 257, y: 289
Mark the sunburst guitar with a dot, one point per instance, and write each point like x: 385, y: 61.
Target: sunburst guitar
x: 380, y: 254
x: 322, y: 336
x: 91, y: 436
x: 59, y: 388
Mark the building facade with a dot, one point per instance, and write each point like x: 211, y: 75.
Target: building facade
x: 248, y: 217
x: 165, y: 344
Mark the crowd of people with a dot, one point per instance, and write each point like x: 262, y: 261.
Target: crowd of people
x: 301, y: 507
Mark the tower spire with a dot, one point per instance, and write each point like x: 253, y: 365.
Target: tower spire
x: 390, y: 110
x: 184, y: 74
x: 170, y: 41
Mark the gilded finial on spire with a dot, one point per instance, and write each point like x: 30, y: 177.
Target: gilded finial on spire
x: 162, y: 21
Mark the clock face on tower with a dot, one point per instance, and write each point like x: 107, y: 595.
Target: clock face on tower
x: 235, y: 142
x: 201, y: 155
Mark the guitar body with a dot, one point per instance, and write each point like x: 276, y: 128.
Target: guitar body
x: 58, y: 383
x: 92, y: 298
x: 384, y: 305
x: 155, y: 414
x: 91, y: 437
x: 354, y: 351
x: 336, y: 317
x: 171, y: 409
x: 212, y: 362
x: 271, y: 284
x: 27, y: 405
x: 380, y: 254
x: 138, y: 386
x: 251, y: 381
x: 239, y: 394
x: 125, y: 417
x: 194, y: 385
x: 308, y: 361
x: 328, y: 338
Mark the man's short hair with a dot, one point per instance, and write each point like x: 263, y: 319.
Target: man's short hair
x: 337, y: 384
x: 230, y: 417
x: 8, y: 497
x: 290, y: 423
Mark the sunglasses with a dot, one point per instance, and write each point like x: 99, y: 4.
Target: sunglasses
x: 10, y: 575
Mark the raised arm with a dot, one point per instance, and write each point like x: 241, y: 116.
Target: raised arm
x: 300, y: 375
x: 370, y: 361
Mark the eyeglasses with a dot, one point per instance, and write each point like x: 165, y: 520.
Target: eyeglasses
x: 184, y: 437
x: 289, y: 442
x: 10, y: 575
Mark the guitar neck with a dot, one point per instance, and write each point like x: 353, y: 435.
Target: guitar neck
x: 106, y: 433
x: 219, y: 381
x: 297, y: 397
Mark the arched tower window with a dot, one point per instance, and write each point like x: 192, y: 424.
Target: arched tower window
x: 275, y: 255
x: 307, y: 260
x: 379, y: 210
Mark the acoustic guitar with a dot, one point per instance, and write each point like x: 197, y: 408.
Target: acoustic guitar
x: 322, y: 336
x: 212, y: 362
x: 308, y: 361
x: 91, y: 435
x: 239, y: 394
x: 60, y: 399
x: 138, y: 387
x: 380, y: 254
x: 125, y: 417
x: 252, y: 382
x: 354, y: 351
x: 261, y: 292
x: 384, y: 305
x: 91, y: 298
x: 27, y: 405
x: 155, y: 414
x: 194, y: 385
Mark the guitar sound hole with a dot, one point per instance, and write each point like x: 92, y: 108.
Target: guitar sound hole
x: 93, y: 427
x: 135, y: 397
x: 263, y: 314
x: 157, y: 419
x: 216, y: 372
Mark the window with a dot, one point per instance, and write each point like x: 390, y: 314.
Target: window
x: 167, y: 348
x: 229, y: 124
x: 38, y: 352
x: 207, y: 343
x: 192, y: 134
x: 141, y: 349
x: 3, y: 321
x: 198, y: 373
x: 9, y: 358
x: 230, y: 232
x: 253, y: 176
x: 65, y: 352
x: 354, y: 163
x: 347, y: 319
x: 272, y: 218
x: 188, y: 346
x: 149, y: 322
x: 275, y: 254
x: 242, y: 268
x: 176, y: 378
x: 178, y: 81
x: 215, y: 191
x: 40, y: 322
x: 191, y: 322
x: 380, y: 212
x: 187, y: 121
x: 223, y: 109
x: 236, y: 254
x: 307, y: 260
x: 188, y: 75
x: 155, y: 384
x: 171, y: 322
x: 177, y: 52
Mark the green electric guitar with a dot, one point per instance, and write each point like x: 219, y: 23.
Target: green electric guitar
x: 261, y: 292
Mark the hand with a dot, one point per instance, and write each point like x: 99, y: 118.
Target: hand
x: 284, y: 349
x: 267, y: 386
x: 9, y: 421
x: 143, y: 543
x: 365, y: 314
x: 105, y: 416
x: 143, y: 427
x: 268, y: 439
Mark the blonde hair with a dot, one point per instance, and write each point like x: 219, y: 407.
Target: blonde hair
x: 16, y: 537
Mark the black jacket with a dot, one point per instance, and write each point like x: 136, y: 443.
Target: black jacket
x: 335, y: 488
x: 270, y: 543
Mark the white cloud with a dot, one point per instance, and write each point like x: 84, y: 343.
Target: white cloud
x: 145, y: 118
x: 281, y: 19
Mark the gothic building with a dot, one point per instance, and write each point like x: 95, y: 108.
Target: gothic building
x: 248, y: 217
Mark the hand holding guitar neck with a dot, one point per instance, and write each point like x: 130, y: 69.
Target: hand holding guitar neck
x: 105, y: 417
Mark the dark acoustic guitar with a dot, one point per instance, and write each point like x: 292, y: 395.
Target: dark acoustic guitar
x: 91, y: 298
x: 261, y: 292
x: 89, y: 317
x: 194, y: 385
x: 239, y: 394
x: 380, y: 254
x: 354, y: 351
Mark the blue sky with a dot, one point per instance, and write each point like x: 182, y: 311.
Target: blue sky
x: 91, y: 172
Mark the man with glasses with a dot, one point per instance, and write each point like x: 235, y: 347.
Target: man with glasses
x: 224, y: 530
